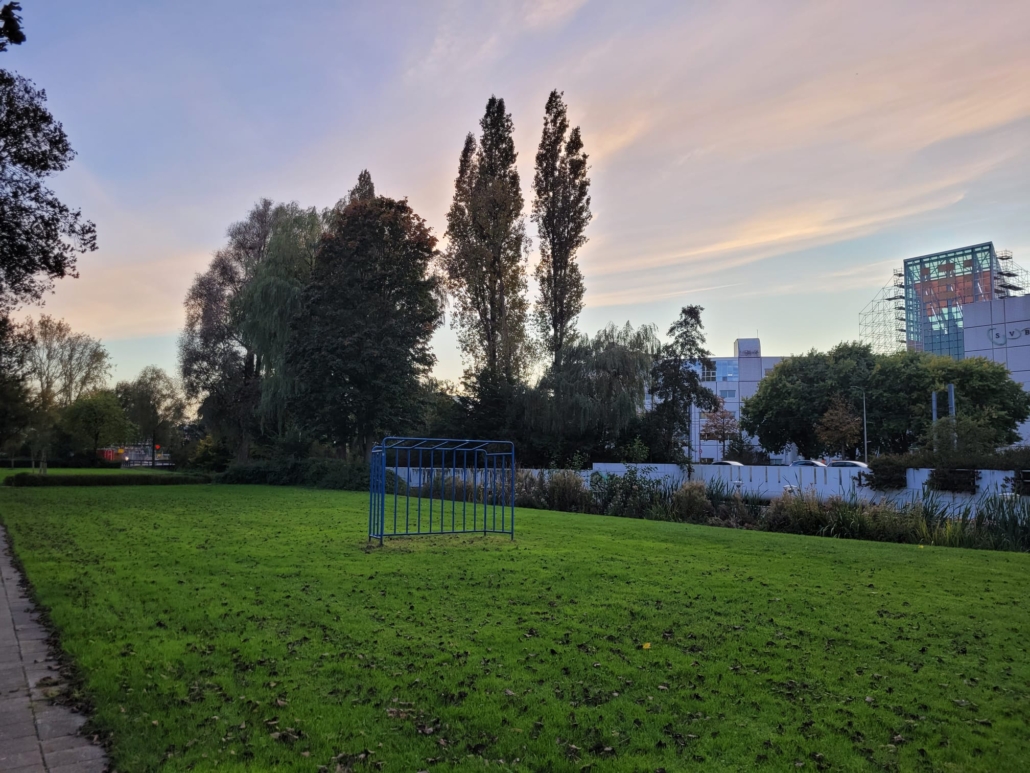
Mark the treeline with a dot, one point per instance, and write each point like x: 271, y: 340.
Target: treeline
x: 56, y: 406
x: 309, y: 334
x: 816, y: 402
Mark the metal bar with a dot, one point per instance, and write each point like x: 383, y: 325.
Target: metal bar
x: 382, y: 500
x: 464, y: 486
x: 407, y: 492
x: 421, y: 483
x: 454, y: 485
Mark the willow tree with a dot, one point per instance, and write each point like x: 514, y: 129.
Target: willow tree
x: 272, y: 298
x: 486, y: 255
x: 561, y: 211
x: 220, y: 367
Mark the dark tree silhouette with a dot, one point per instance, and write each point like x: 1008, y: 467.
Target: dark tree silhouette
x: 561, y: 211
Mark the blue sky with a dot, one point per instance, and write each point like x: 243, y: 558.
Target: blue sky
x: 771, y: 161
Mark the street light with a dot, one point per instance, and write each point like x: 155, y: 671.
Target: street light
x: 865, y: 427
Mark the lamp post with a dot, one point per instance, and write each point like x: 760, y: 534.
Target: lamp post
x: 865, y: 427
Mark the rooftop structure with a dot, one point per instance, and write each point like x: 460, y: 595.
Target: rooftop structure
x: 921, y: 308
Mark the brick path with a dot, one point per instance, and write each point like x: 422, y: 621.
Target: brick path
x: 35, y: 735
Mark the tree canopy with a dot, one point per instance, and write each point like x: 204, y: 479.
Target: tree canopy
x: 793, y: 401
x: 40, y: 237
x: 359, y: 346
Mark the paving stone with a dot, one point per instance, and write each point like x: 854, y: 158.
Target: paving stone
x: 16, y: 730
x: 27, y: 769
x: 85, y: 766
x: 21, y: 759
x: 12, y: 705
x: 59, y: 725
x: 78, y: 754
x: 63, y: 742
x: 24, y: 744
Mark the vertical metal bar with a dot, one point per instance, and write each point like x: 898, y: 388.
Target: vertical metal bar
x: 396, y: 483
x: 432, y: 482
x: 382, y: 499
x: 421, y: 485
x: 512, y: 524
x: 475, y: 487
x: 407, y: 492
x: 454, y: 485
x: 464, y: 485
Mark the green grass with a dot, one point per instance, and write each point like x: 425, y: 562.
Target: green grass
x: 250, y: 627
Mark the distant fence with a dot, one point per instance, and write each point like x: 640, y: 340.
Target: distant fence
x: 825, y: 482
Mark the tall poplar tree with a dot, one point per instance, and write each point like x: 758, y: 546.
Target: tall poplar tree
x: 485, y: 261
x: 561, y: 211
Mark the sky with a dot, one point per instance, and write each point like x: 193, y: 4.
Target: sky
x: 770, y: 161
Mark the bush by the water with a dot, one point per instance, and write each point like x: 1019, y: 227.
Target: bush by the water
x: 314, y: 473
x: 31, y: 480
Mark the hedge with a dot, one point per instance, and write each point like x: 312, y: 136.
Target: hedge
x: 30, y: 479
x: 312, y: 473
x: 75, y: 463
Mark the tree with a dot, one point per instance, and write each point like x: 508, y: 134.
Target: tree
x: 15, y: 406
x: 153, y: 402
x: 721, y: 425
x: 485, y: 261
x: 741, y: 449
x: 792, y: 400
x: 840, y: 428
x: 63, y: 365
x: 220, y: 367
x: 97, y: 419
x: 359, y: 347
x: 365, y: 190
x: 676, y: 386
x: 271, y: 299
x: 10, y: 26
x: 561, y: 210
x: 40, y: 237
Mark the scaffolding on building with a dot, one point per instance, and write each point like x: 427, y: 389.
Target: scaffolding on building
x: 920, y: 308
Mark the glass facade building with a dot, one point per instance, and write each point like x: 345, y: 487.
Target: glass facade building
x: 938, y: 286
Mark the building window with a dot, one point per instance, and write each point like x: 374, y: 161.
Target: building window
x: 768, y: 371
x: 727, y: 370
x: 707, y: 374
x: 731, y: 393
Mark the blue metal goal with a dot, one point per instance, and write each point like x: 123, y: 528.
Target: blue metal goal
x: 441, y: 486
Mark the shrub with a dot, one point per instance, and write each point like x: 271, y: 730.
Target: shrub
x: 562, y: 490
x: 690, y: 503
x: 956, y: 480
x: 30, y: 480
x: 889, y: 473
x: 336, y: 474
x: 633, y: 495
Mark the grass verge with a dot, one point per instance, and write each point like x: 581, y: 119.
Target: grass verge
x: 251, y: 627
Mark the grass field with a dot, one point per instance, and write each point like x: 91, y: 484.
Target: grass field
x: 252, y: 628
